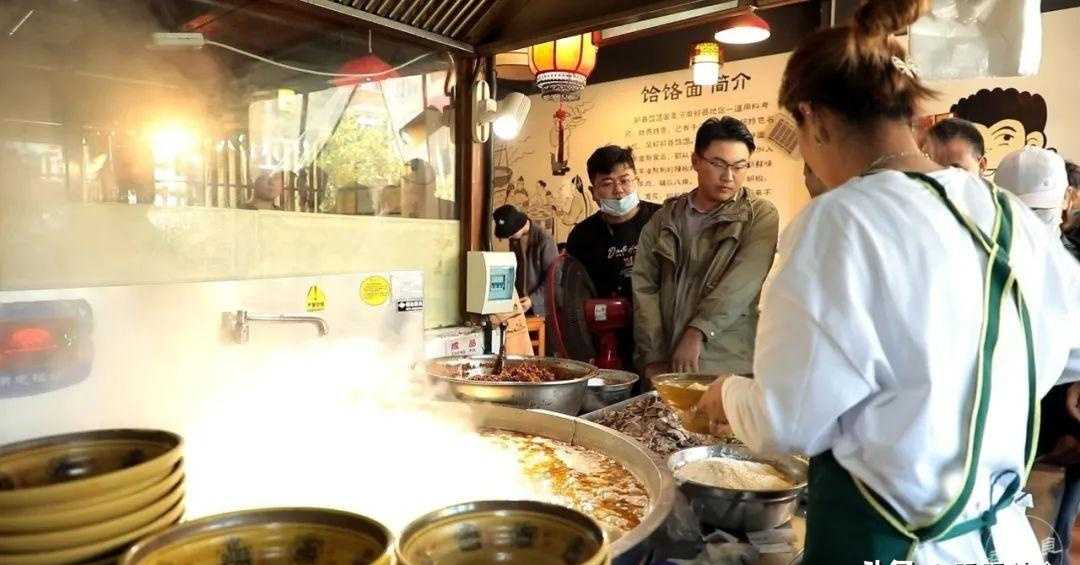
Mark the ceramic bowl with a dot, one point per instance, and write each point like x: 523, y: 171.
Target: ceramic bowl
x: 73, y: 515
x: 508, y: 532
x: 85, y: 535
x: 72, y: 467
x: 97, y: 551
x: 269, y: 537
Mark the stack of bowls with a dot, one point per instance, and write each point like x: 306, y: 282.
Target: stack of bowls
x: 499, y: 531
x: 268, y: 537
x: 86, y: 497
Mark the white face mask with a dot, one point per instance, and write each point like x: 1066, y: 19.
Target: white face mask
x: 619, y: 206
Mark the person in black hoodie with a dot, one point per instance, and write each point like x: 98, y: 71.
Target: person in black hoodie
x: 606, y: 242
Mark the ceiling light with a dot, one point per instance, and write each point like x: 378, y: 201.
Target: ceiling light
x: 706, y: 58
x: 743, y: 29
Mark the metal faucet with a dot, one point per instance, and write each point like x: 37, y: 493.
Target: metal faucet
x: 239, y: 323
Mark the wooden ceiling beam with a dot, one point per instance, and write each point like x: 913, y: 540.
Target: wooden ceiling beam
x: 536, y: 22
x: 392, y: 27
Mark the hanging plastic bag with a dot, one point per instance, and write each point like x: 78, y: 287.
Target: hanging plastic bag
x: 962, y: 39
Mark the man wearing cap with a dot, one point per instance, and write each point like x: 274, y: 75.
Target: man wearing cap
x: 1037, y: 177
x: 535, y: 250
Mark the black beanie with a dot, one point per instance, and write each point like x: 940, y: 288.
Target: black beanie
x: 508, y: 221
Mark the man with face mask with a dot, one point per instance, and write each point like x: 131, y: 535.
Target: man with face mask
x: 606, y: 242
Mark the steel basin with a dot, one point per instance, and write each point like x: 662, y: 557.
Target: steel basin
x: 657, y: 480
x: 564, y: 396
x: 608, y: 387
x: 743, y: 511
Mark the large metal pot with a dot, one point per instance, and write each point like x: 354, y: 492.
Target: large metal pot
x: 564, y: 396
x: 739, y: 510
x: 658, y: 482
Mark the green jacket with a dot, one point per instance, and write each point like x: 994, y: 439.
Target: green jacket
x: 720, y: 274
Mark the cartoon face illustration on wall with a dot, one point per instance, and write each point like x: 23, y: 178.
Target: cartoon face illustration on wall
x: 1008, y: 120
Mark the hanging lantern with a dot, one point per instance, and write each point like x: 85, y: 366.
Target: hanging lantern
x: 369, y: 68
x: 706, y: 58
x: 562, y: 66
x: 514, y: 65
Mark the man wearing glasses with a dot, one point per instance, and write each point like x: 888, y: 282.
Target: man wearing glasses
x: 606, y: 242
x: 701, y: 262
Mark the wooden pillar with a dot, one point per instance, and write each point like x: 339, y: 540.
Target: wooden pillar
x: 473, y: 169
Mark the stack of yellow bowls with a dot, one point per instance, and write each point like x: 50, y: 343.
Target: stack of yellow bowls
x: 86, y: 497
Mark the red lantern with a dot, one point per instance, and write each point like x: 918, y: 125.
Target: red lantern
x: 562, y: 66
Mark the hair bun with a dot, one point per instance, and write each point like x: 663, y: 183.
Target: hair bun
x: 878, y: 19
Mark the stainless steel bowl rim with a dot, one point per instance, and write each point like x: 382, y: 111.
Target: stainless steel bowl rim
x: 622, y: 382
x: 244, y: 518
x: 684, y: 456
x: 429, y: 366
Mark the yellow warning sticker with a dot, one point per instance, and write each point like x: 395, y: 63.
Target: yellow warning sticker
x: 316, y: 299
x: 375, y: 291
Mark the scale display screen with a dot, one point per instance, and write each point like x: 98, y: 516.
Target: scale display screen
x: 501, y: 283
x: 44, y: 346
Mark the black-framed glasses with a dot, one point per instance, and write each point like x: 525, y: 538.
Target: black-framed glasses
x: 624, y: 182
x: 723, y: 166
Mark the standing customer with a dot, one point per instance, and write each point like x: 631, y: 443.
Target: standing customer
x: 606, y: 243
x: 1070, y: 227
x: 535, y: 250
x: 953, y: 142
x: 701, y: 263
x: 912, y: 313
x: 1037, y: 177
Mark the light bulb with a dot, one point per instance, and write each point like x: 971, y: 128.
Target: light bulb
x: 706, y: 74
x: 506, y: 127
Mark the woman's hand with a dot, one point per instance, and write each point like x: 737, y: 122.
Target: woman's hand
x: 711, y: 407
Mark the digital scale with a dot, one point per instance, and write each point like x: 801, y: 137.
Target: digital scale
x: 490, y: 279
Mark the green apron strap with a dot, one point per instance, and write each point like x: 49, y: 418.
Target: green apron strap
x: 868, y: 526
x: 1000, y: 281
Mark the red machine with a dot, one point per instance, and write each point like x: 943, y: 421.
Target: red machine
x: 604, y: 318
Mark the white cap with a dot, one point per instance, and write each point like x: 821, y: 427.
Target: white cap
x: 1035, y: 175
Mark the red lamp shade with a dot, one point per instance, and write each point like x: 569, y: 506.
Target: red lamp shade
x: 373, y: 67
x: 562, y: 66
x: 742, y: 29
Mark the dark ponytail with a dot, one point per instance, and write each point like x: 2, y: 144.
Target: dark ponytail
x: 851, y: 69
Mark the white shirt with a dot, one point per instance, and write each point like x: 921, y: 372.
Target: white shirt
x: 868, y: 337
